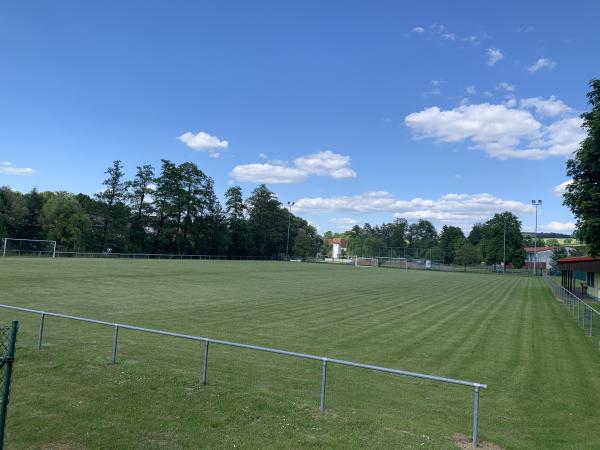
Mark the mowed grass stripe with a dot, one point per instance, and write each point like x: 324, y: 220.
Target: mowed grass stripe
x: 506, y: 331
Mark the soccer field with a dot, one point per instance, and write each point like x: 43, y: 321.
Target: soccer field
x: 543, y: 373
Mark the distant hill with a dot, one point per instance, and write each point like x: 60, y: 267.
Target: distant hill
x: 527, y: 234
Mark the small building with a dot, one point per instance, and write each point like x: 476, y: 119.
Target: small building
x: 544, y: 257
x: 339, y: 247
x: 581, y: 275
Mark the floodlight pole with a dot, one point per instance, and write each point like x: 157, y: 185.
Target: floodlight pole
x: 287, y: 245
x: 504, y: 249
x: 536, y: 204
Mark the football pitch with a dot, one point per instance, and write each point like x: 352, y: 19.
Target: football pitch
x: 542, y: 371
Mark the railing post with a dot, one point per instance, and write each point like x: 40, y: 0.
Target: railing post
x: 475, y: 415
x: 41, y: 334
x: 10, y: 355
x: 115, y: 342
x: 205, y: 364
x: 323, y: 384
x: 591, y: 321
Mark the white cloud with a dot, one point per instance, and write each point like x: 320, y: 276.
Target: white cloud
x: 499, y: 130
x: 262, y: 156
x: 204, y: 142
x: 344, y: 223
x: 527, y: 29
x: 460, y: 209
x: 545, y: 107
x: 505, y: 86
x: 494, y: 55
x: 471, y: 90
x: 560, y: 189
x: 326, y: 163
x: 542, y: 63
x: 267, y: 173
x: 7, y: 168
x: 418, y: 30
x: 559, y: 227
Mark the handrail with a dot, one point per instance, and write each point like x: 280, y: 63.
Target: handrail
x: 325, y: 360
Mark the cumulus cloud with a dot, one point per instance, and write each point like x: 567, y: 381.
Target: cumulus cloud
x: 204, y: 142
x: 325, y: 163
x: 459, y: 209
x: 494, y: 55
x: 542, y: 63
x: 559, y: 227
x: 7, y: 168
x: 344, y: 223
x: 267, y: 173
x: 560, y: 189
x: 500, y: 130
x: 545, y: 107
x: 471, y: 90
x: 418, y: 30
x: 505, y: 87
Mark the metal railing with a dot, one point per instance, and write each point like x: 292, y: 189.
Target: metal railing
x: 577, y: 307
x: 324, y: 360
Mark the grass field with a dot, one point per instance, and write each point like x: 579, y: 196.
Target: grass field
x: 543, y: 372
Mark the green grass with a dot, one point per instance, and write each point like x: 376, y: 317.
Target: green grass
x: 543, y: 372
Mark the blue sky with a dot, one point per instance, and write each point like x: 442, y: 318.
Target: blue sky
x: 357, y: 111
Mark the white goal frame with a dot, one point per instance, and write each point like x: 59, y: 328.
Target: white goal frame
x: 402, y: 263
x: 5, y: 242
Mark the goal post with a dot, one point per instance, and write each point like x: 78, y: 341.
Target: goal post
x: 397, y: 263
x: 365, y: 262
x: 36, y: 247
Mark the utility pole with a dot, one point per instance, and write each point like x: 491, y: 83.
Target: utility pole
x: 536, y: 204
x: 504, y: 249
x: 287, y: 245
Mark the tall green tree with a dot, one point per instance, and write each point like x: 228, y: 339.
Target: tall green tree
x: 115, y: 213
x: 466, y: 253
x: 13, y: 213
x: 139, y: 195
x: 492, y: 242
x: 235, y: 214
x: 449, y: 237
x: 267, y: 222
x: 422, y: 235
x: 63, y: 220
x: 582, y: 196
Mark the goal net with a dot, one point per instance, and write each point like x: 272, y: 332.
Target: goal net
x: 397, y: 263
x: 365, y: 262
x: 28, y: 247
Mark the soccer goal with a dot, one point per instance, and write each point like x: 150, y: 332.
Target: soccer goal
x: 365, y: 262
x: 31, y: 247
x: 397, y: 263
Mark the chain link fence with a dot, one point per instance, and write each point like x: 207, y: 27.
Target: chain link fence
x: 8, y: 338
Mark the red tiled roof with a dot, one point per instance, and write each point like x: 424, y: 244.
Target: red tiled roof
x: 578, y: 259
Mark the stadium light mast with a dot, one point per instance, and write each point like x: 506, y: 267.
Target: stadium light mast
x: 504, y: 249
x: 287, y: 245
x: 536, y: 204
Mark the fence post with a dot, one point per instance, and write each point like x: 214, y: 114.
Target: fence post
x: 475, y: 415
x: 41, y: 335
x: 591, y: 321
x: 10, y: 356
x: 323, y: 384
x: 115, y: 341
x: 205, y: 364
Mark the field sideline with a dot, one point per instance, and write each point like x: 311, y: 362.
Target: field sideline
x: 543, y: 372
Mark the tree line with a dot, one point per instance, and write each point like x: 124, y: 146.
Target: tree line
x: 174, y: 211
x: 485, y: 242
